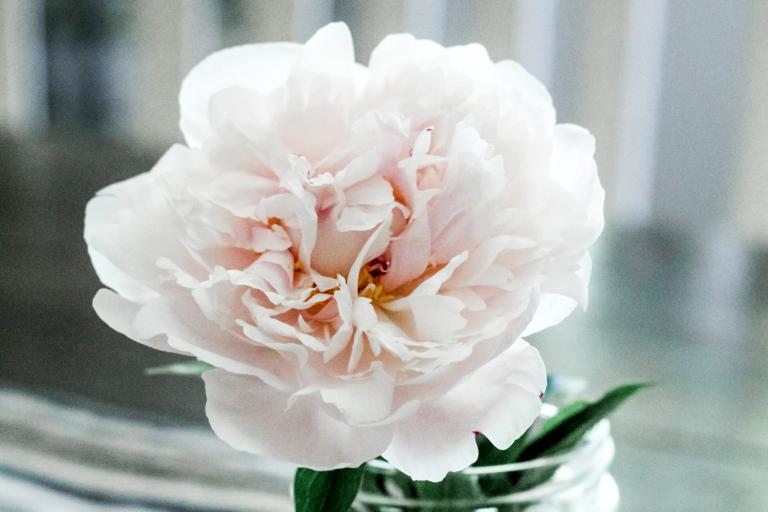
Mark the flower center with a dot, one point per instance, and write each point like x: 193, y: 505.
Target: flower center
x: 368, y: 284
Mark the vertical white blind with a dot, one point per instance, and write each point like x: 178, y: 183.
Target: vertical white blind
x: 749, y: 207
x: 639, y: 76
x: 169, y: 38
x: 22, y: 66
x: 620, y: 68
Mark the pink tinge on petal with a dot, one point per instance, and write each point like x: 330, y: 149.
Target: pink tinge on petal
x: 262, y: 67
x: 252, y: 416
x: 432, y: 443
x: 335, y: 251
x: 500, y: 400
x: 408, y: 254
x: 119, y: 314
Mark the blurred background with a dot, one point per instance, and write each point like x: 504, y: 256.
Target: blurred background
x: 676, y: 92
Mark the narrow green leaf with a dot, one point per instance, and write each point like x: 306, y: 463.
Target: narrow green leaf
x: 577, y: 420
x: 454, y: 487
x: 498, y: 484
x: 489, y: 455
x: 185, y: 368
x: 564, y: 431
x: 562, y: 415
x: 399, y: 484
x: 326, y: 491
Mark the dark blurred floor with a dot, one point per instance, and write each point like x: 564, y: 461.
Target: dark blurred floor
x: 687, y: 312
x: 50, y: 337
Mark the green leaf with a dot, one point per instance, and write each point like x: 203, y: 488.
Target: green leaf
x: 326, y: 491
x: 454, y: 487
x: 568, y: 428
x: 505, y: 483
x: 498, y: 484
x: 186, y: 368
x: 562, y: 415
x: 564, y: 431
x: 489, y: 455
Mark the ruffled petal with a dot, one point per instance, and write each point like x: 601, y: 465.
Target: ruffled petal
x: 500, y: 399
x: 396, y: 48
x: 120, y: 313
x: 186, y: 329
x: 129, y: 225
x: 573, y: 167
x: 260, y: 67
x: 432, y: 443
x: 252, y: 416
x: 363, y: 400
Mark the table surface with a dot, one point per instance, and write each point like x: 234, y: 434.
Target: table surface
x: 688, y: 313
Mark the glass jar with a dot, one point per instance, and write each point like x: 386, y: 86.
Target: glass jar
x: 580, y: 483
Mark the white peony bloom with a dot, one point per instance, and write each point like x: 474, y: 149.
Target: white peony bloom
x: 357, y: 250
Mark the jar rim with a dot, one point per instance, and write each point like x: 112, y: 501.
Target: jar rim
x: 591, y: 442
x: 576, y: 463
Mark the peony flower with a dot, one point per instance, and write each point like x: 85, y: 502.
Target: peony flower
x: 356, y: 250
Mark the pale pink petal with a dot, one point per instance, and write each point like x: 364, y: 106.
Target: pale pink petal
x: 374, y: 191
x: 504, y: 395
x: 241, y: 109
x: 187, y: 330
x: 252, y: 416
x: 561, y: 294
x: 330, y: 45
x: 480, y: 260
x: 311, y: 131
x: 363, y: 400
x: 408, y: 254
x: 362, y: 218
x: 497, y: 338
x: 130, y: 225
x: 573, y: 167
x: 335, y: 250
x: 473, y: 59
x: 261, y: 67
x: 373, y: 246
x: 457, y: 219
x: 513, y: 78
x: 264, y: 239
x: 432, y: 443
x: 437, y: 317
x: 287, y: 349
x: 120, y: 313
x: 238, y: 192
x: 397, y: 47
x: 500, y: 399
x: 553, y: 309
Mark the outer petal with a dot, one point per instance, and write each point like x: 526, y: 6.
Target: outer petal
x: 561, y: 294
x: 252, y: 416
x: 499, y: 335
x: 500, y: 399
x: 119, y: 313
x: 580, y: 201
x: 514, y: 79
x: 260, y: 67
x: 129, y: 225
x: 363, y: 400
x: 553, y: 309
x: 457, y: 220
x: 187, y: 330
x: 330, y: 45
x: 573, y: 167
x: 396, y: 48
x: 409, y: 254
x: 432, y: 443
